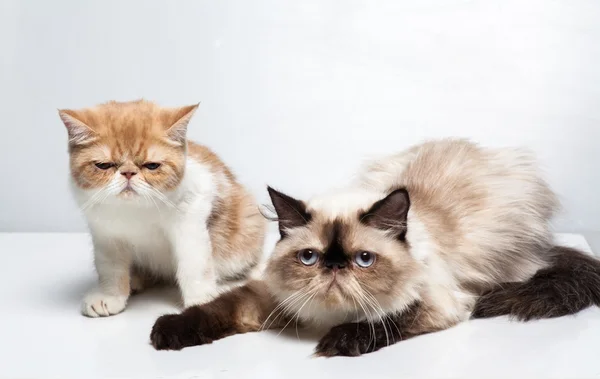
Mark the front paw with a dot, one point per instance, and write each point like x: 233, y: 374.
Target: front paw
x: 345, y: 340
x: 174, y: 332
x: 97, y: 304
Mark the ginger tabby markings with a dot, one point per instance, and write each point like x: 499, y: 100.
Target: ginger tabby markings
x: 158, y: 207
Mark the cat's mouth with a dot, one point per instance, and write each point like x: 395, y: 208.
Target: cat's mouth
x: 128, y: 191
x: 336, y: 289
x: 334, y: 295
x: 333, y: 283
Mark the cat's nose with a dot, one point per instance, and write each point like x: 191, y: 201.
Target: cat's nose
x: 333, y: 265
x: 128, y: 174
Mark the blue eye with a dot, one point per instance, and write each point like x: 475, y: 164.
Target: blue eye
x: 308, y: 257
x: 364, y: 259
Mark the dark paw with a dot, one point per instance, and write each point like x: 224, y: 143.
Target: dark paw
x: 174, y: 332
x: 345, y: 340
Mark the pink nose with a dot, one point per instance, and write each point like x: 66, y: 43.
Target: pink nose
x: 128, y: 174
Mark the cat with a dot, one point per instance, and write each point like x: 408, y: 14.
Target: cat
x: 423, y: 240
x: 157, y: 205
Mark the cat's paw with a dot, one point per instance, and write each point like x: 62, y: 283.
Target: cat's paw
x: 344, y: 340
x: 174, y: 332
x: 97, y: 304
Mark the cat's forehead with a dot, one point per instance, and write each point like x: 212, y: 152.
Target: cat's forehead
x: 343, y: 203
x: 128, y: 130
x: 127, y: 120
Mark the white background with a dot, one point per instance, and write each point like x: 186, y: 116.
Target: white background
x: 297, y: 93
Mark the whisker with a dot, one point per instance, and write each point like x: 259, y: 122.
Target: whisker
x: 99, y: 196
x: 286, y: 304
x: 311, y: 294
x: 298, y: 313
x: 374, y: 304
x: 280, y: 305
x: 367, y: 315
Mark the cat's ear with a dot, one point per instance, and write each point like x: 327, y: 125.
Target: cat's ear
x: 79, y: 132
x: 291, y: 213
x: 178, y: 120
x: 389, y: 213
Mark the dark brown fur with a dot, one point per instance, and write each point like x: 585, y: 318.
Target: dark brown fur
x: 569, y: 285
x: 241, y: 310
x: 354, y: 339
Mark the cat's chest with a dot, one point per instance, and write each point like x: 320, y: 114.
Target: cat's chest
x: 140, y: 228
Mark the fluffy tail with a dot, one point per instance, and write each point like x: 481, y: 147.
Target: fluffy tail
x: 569, y: 285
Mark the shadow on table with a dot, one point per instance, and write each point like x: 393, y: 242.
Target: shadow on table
x: 70, y: 293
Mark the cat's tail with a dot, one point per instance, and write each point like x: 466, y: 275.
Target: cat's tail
x: 570, y: 284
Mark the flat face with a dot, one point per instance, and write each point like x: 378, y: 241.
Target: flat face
x: 124, y: 150
x: 41, y: 323
x: 344, y: 264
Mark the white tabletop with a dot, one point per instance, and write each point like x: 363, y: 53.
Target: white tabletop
x: 44, y: 276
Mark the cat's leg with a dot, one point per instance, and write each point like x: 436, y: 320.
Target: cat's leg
x: 243, y: 309
x: 112, y: 262
x: 192, y: 249
x: 353, y: 339
x: 141, y: 279
x: 137, y: 282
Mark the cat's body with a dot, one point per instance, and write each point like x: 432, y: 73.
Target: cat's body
x: 477, y: 217
x: 407, y: 250
x: 187, y: 220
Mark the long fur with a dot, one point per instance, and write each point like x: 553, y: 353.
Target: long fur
x: 570, y: 284
x: 438, y: 225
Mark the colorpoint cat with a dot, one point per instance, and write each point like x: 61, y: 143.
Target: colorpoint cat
x: 428, y: 238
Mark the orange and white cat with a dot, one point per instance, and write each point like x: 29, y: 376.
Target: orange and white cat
x: 157, y: 206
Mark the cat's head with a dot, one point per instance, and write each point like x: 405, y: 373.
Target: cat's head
x: 343, y: 256
x: 127, y: 150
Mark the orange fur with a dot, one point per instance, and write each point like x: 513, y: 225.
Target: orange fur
x: 140, y: 182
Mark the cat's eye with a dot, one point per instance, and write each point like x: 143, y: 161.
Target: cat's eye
x: 152, y: 165
x: 308, y: 257
x: 104, y: 165
x: 364, y: 259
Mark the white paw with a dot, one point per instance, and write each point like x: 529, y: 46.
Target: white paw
x: 96, y: 304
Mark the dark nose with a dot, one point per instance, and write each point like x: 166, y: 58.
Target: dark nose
x: 128, y: 174
x: 333, y: 265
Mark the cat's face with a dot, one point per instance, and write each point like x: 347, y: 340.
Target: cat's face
x: 355, y: 262
x: 127, y: 150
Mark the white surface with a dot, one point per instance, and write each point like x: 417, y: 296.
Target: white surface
x: 295, y: 93
x: 44, y: 336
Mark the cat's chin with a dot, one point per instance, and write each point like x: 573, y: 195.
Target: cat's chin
x: 128, y: 194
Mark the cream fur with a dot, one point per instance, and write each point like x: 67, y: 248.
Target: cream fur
x: 478, y: 217
x: 504, y: 208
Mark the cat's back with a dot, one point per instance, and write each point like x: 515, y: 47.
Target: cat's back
x: 235, y: 223
x: 205, y: 156
x: 464, y: 178
x: 488, y: 209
